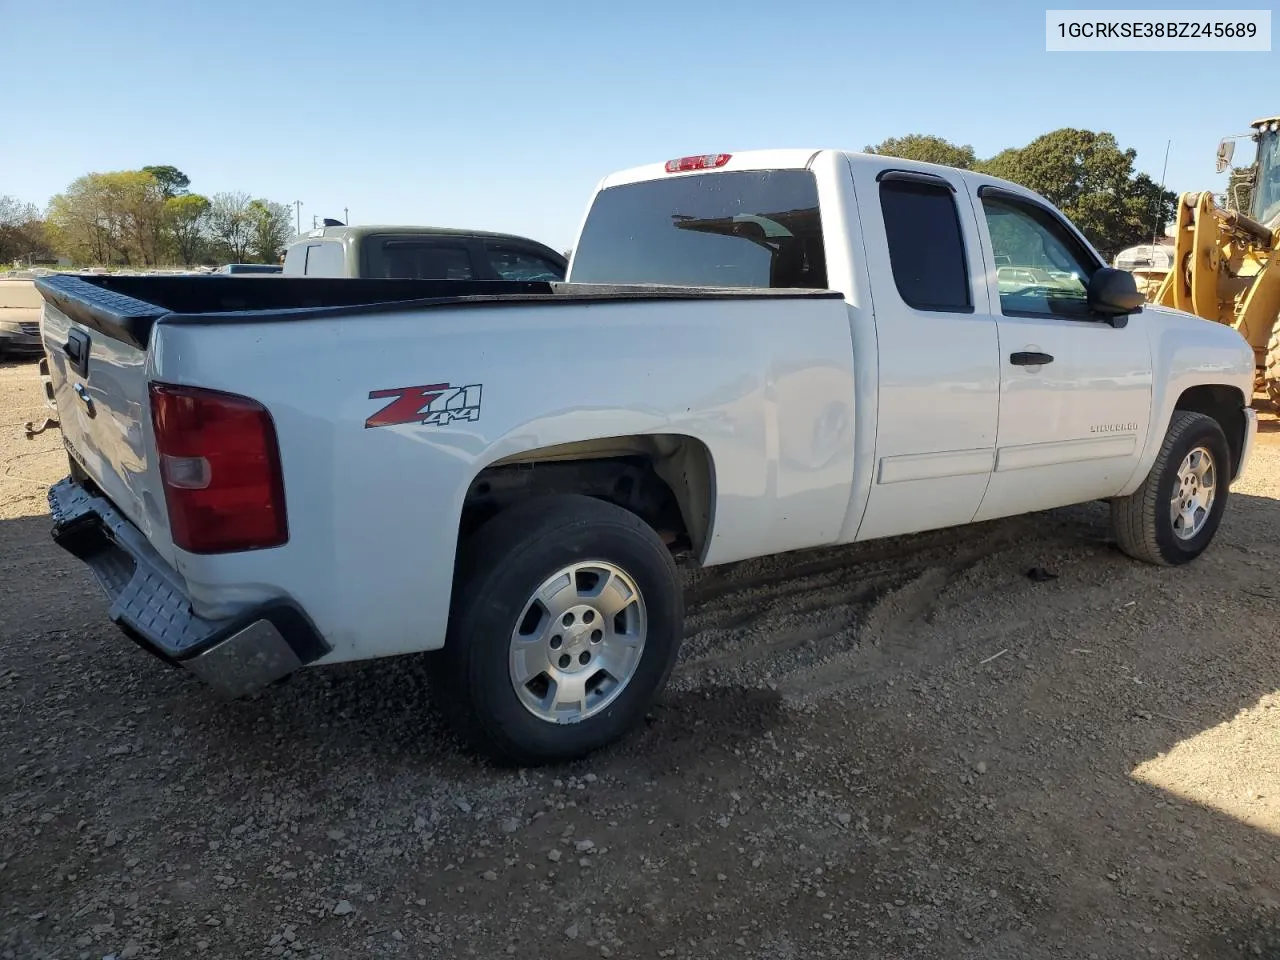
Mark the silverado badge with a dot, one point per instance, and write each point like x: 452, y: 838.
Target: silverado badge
x: 1114, y: 428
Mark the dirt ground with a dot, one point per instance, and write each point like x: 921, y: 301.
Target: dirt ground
x: 903, y: 749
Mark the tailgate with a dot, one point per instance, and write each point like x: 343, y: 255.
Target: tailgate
x: 99, y: 378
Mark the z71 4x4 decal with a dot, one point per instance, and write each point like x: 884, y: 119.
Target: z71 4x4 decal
x: 435, y: 404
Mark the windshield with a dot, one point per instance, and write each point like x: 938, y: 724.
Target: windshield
x: 739, y: 229
x: 1266, y: 197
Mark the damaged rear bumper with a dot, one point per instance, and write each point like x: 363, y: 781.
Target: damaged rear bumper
x: 235, y: 656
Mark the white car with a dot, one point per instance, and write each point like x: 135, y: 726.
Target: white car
x: 753, y: 354
x: 20, y: 305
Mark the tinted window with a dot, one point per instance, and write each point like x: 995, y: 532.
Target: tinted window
x: 511, y: 263
x: 419, y: 260
x: 1047, y: 270
x: 325, y: 260
x: 740, y: 229
x: 926, y: 248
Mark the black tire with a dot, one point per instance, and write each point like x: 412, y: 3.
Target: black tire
x: 499, y: 568
x: 1271, y: 372
x: 1141, y: 521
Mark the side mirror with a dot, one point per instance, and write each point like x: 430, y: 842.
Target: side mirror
x: 1226, y: 150
x: 1114, y: 294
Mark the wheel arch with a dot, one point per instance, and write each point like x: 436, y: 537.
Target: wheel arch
x: 667, y: 479
x: 1225, y: 404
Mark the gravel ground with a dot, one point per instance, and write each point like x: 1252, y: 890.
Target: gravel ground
x: 903, y: 749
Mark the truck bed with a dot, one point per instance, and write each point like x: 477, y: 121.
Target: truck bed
x: 126, y: 308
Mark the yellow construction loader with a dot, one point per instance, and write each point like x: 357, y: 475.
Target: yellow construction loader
x: 1225, y: 259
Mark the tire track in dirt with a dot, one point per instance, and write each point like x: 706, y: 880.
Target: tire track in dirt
x: 819, y: 622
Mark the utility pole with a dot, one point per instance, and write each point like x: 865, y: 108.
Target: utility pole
x: 298, y: 208
x: 313, y: 221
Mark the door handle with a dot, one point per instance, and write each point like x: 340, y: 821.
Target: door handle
x: 1026, y: 359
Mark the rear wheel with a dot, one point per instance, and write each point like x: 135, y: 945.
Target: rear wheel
x: 566, y: 622
x: 1272, y: 370
x: 1174, y: 515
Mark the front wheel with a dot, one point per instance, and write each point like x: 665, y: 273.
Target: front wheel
x: 1271, y: 369
x: 567, y: 619
x: 1174, y: 515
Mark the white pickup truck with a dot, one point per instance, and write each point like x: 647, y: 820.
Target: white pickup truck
x: 752, y: 354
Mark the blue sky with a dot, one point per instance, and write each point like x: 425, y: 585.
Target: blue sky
x: 503, y: 115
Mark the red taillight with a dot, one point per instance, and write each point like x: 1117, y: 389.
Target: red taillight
x: 708, y: 161
x: 221, y: 468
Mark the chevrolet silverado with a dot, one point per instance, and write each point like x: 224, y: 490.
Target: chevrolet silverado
x: 753, y: 353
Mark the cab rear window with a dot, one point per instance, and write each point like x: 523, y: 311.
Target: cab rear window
x: 751, y: 228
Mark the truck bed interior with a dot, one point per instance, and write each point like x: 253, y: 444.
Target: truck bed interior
x: 126, y: 307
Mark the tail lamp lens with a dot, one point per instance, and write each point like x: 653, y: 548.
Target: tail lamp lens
x: 220, y: 462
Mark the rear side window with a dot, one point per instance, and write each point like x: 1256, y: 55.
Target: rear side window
x: 512, y: 263
x: 325, y: 260
x: 926, y: 248
x: 419, y: 260
x: 736, y: 229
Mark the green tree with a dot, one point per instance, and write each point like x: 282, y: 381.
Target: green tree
x: 186, y: 218
x: 144, y: 198
x: 1090, y: 179
x: 22, y: 231
x: 173, y: 182
x: 231, y: 223
x: 1148, y: 210
x: 110, y: 217
x: 80, y: 225
x: 149, y: 216
x: 925, y: 148
x: 272, y: 228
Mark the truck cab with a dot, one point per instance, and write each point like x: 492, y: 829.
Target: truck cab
x: 978, y: 396
x: 1266, y: 190
x: 421, y: 253
x: 1261, y: 181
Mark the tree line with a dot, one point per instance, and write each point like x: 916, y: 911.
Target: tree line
x: 149, y: 217
x: 1083, y: 173
x: 144, y: 218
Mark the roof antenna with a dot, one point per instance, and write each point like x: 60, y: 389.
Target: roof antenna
x: 1155, y: 226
